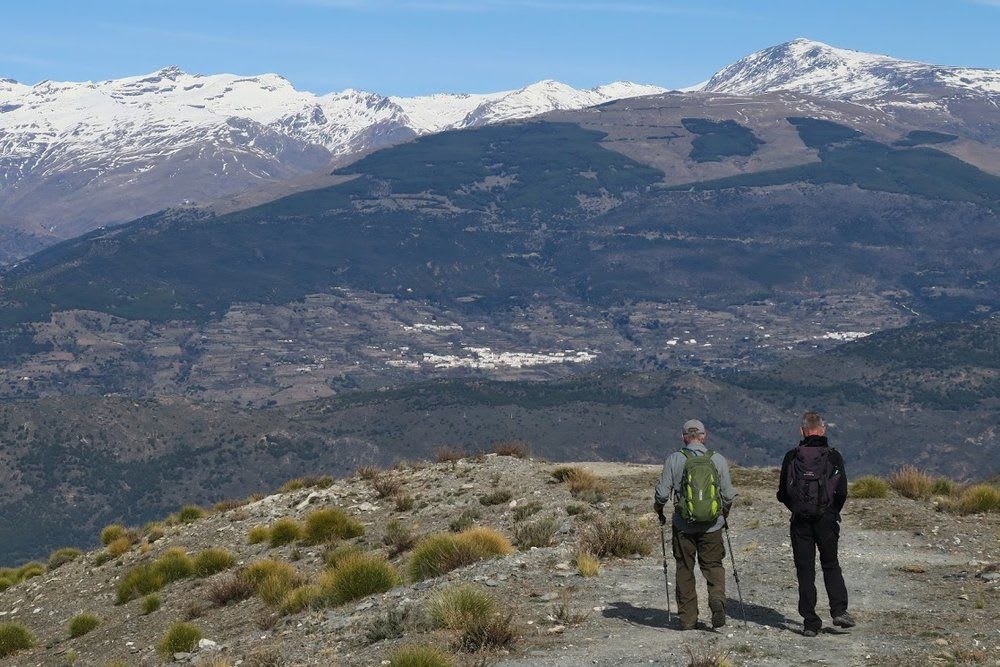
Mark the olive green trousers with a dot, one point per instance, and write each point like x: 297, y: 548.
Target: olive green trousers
x: 709, y: 551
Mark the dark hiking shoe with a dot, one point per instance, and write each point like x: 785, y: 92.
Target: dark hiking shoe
x: 844, y: 621
x: 718, y: 619
x: 809, y: 632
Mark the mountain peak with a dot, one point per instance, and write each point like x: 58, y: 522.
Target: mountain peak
x: 171, y: 72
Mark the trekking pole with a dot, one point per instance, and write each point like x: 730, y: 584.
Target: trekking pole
x: 736, y: 575
x: 666, y: 576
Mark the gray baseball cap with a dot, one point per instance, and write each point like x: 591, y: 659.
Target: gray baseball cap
x: 693, y: 427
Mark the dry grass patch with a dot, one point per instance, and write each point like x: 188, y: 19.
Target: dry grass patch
x: 615, y: 536
x: 174, y: 565
x: 60, y: 557
x: 443, y: 552
x: 869, y: 486
x: 150, y: 603
x: 911, y: 482
x: 212, y: 561
x: 975, y: 499
x: 386, y: 485
x: 118, y: 547
x: 458, y: 606
x: 420, y: 656
x: 491, y: 633
x: 272, y: 580
x: 190, y: 514
x: 398, y: 537
x: 139, y: 581
x: 284, y: 531
x: 587, y: 564
x: 258, y: 535
x: 334, y: 557
x: 113, y: 532
x: 299, y: 599
x: 180, y: 638
x: 514, y: 448
x: 14, y: 637
x: 236, y: 588
x: 582, y: 483
x: 449, y: 454
x: 325, y: 525
x: 81, y: 624
x: 536, y: 533
x: 357, y: 577
x: 497, y: 497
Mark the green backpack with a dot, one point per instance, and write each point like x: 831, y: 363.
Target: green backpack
x: 700, y: 501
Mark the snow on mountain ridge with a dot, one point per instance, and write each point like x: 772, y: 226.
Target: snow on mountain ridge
x: 815, y: 68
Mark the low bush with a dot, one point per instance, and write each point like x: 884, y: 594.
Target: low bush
x: 357, y: 577
x: 398, y: 537
x: 229, y: 504
x: 582, y: 483
x: 615, y: 536
x: 190, y: 513
x: 514, y: 448
x: 536, y: 533
x: 390, y: 625
x: 977, y: 499
x: 236, y: 588
x: 212, y: 561
x: 587, y: 564
x: 140, y: 580
x: 386, y: 485
x: 299, y: 599
x: 60, y: 557
x: 324, y: 525
x: 869, y: 487
x: 14, y: 637
x: 564, y: 613
x: 151, y: 603
x: 368, y: 472
x: 497, y: 497
x: 153, y: 532
x: 81, y: 624
x: 284, y: 531
x: 180, y: 638
x: 30, y: 571
x: 523, y: 511
x: 458, y: 606
x: 573, y: 509
x: 910, y: 482
x: 6, y: 582
x: 942, y: 486
x: 404, y: 502
x: 272, y: 580
x: 420, y: 656
x: 491, y: 633
x: 449, y: 454
x: 259, y: 534
x: 174, y: 565
x: 443, y: 552
x: 118, y: 547
x: 113, y: 532
x: 337, y: 555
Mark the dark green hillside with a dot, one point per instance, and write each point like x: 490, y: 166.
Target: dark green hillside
x: 717, y: 140
x: 848, y: 160
x: 918, y: 137
x: 163, y: 267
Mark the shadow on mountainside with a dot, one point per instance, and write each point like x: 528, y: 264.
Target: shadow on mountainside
x: 657, y: 618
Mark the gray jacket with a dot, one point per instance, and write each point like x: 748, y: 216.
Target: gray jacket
x: 669, y: 488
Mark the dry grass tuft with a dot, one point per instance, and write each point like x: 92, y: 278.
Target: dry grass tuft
x: 81, y: 624
x: 60, y: 557
x: 582, y: 483
x: 386, y: 485
x: 139, y: 581
x: 457, y: 606
x: 325, y: 525
x: 910, y: 482
x: 869, y: 487
x: 236, y: 588
x: 497, y: 497
x: 212, y: 561
x: 111, y: 533
x: 443, y: 552
x: 259, y: 534
x: 357, y: 577
x: 14, y: 637
x: 587, y: 564
x: 615, y: 536
x: 398, y: 537
x: 284, y: 531
x: 514, y: 448
x: 272, y: 580
x: 420, y: 656
x: 180, y: 638
x: 449, y: 454
x: 975, y: 499
x: 536, y: 533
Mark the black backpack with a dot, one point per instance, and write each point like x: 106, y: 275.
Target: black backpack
x: 810, y: 489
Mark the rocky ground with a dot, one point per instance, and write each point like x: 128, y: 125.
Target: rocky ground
x: 924, y: 585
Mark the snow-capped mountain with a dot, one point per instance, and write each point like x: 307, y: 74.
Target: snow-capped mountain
x: 73, y: 155
x: 814, y: 68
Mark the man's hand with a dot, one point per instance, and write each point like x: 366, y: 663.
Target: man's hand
x: 725, y: 512
x: 659, y: 513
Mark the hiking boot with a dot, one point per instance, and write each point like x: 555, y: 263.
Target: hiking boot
x: 844, y: 621
x: 809, y: 632
x: 718, y: 619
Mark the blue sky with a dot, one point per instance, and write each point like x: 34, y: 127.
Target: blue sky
x: 406, y: 47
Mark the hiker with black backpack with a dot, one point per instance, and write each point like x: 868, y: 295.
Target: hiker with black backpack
x: 696, y: 481
x: 813, y: 485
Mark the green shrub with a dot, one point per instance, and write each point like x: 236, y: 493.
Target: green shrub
x: 60, y: 557
x: 978, y: 499
x: 488, y: 633
x: 522, y: 512
x: 190, y: 513
x: 327, y: 524
x: 615, y: 536
x: 174, y: 565
x: 180, y: 638
x: 285, y: 531
x: 151, y: 603
x: 259, y: 534
x: 14, y: 637
x: 272, y: 580
x: 443, y: 552
x: 942, y: 486
x: 357, y: 577
x: 118, y: 547
x: 497, y: 497
x: 420, y: 656
x: 112, y: 533
x: 81, y: 624
x: 337, y: 555
x: 212, y: 561
x: 139, y: 581
x: 458, y: 606
x: 299, y: 599
x: 5, y: 583
x: 536, y: 533
x: 30, y: 571
x: 869, y: 487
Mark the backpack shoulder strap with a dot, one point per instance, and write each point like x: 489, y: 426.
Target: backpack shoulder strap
x: 688, y: 453
x: 710, y: 453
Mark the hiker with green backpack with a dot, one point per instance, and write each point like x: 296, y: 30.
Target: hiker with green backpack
x: 696, y: 481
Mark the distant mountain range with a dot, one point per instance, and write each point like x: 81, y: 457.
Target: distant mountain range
x: 75, y: 156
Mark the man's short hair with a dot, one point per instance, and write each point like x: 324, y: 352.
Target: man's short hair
x: 811, y: 421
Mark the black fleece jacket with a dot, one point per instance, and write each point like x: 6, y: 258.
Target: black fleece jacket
x: 838, y: 473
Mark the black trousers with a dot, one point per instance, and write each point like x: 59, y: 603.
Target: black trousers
x: 808, y: 536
